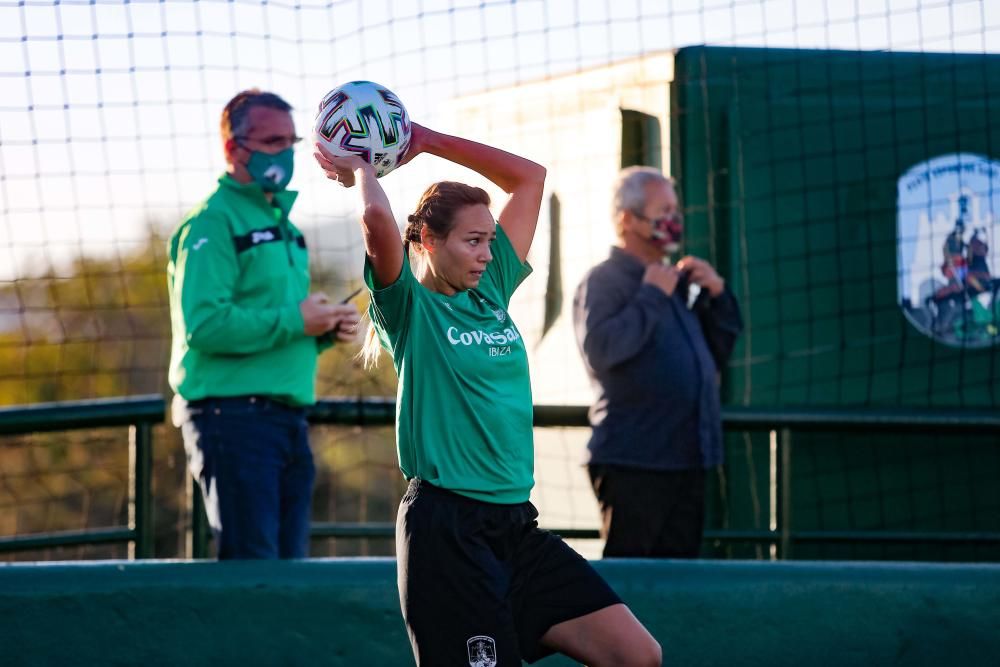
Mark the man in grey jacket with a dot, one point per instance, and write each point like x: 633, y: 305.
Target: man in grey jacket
x: 654, y: 336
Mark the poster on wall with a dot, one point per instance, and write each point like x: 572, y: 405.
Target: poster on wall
x: 948, y: 252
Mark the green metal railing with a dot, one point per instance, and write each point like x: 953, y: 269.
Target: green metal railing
x: 780, y: 423
x: 142, y: 412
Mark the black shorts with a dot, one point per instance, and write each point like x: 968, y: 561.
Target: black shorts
x: 480, y: 583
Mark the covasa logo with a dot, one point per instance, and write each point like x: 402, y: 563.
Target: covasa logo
x: 478, y: 336
x: 482, y: 651
x: 946, y: 235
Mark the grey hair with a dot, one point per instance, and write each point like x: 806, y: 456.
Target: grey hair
x: 630, y: 188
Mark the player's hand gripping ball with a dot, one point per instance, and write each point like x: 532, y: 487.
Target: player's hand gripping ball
x: 366, y: 119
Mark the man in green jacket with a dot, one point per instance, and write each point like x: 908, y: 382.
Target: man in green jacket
x: 246, y: 337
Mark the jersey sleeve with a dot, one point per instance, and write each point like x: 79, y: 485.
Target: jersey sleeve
x: 505, y: 273
x: 390, y: 305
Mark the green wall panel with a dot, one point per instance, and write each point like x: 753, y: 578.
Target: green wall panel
x: 345, y: 612
x: 788, y: 162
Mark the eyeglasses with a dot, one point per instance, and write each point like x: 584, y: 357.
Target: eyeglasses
x: 662, y: 221
x: 276, y: 141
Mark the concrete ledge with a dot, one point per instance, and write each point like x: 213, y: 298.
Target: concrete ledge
x: 345, y: 612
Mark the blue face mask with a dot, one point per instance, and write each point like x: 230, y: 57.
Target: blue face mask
x: 272, y: 172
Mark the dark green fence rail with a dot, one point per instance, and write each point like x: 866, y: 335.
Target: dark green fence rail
x: 143, y: 412
x: 140, y: 414
x: 782, y: 422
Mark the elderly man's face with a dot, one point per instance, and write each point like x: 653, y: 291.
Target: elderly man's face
x: 659, y: 223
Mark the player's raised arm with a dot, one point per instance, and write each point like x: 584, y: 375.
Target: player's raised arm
x: 519, y: 177
x: 381, y: 236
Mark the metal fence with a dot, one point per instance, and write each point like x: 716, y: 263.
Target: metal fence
x: 141, y: 413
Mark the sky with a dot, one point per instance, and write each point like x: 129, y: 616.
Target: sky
x: 108, y: 110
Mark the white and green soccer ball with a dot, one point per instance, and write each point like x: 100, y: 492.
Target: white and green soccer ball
x: 367, y: 119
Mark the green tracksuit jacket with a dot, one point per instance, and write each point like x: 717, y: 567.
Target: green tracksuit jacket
x: 238, y: 270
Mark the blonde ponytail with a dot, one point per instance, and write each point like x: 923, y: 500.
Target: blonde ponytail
x: 371, y: 349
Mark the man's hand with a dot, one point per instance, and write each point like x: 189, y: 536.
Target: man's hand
x: 662, y: 277
x: 318, y: 314
x: 701, y: 273
x: 348, y: 318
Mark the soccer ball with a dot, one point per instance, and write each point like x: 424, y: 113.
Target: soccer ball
x: 366, y: 119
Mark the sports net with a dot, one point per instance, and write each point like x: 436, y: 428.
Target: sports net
x: 827, y: 185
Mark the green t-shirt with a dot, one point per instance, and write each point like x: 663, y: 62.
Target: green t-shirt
x: 463, y: 406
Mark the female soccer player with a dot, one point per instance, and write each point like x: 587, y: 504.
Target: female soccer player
x: 479, y: 582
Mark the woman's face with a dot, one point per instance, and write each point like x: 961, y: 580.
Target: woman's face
x: 458, y: 261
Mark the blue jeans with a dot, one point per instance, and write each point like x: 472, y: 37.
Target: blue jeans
x: 252, y: 459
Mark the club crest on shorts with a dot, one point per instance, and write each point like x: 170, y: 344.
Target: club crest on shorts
x: 482, y: 651
x: 948, y: 220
